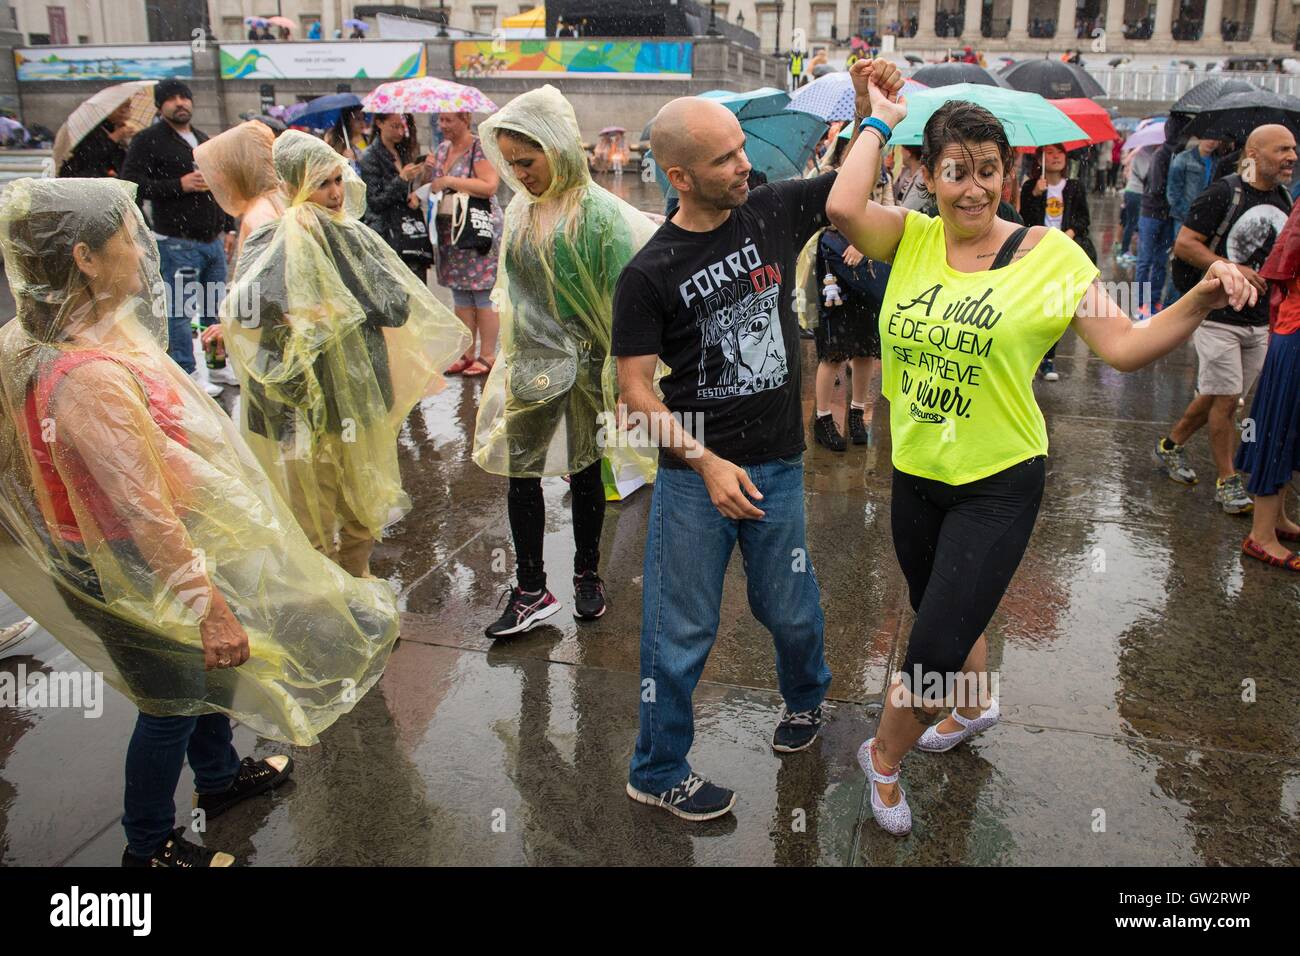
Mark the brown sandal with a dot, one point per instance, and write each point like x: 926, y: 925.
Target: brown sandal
x: 477, y: 367
x: 1287, y: 535
x: 1251, y: 549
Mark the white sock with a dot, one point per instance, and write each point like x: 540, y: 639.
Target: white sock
x: 823, y: 414
x: 860, y: 406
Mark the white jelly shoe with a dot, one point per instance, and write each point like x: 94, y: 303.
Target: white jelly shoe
x: 936, y: 743
x: 896, y: 819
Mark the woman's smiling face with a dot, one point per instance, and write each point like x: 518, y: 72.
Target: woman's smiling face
x: 966, y: 181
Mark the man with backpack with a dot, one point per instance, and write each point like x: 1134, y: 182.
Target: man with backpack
x: 1237, y: 218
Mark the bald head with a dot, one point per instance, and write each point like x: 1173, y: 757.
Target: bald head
x: 1269, y: 156
x: 690, y: 130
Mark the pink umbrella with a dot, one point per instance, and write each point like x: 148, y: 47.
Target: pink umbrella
x: 1150, y: 135
x: 282, y: 22
x: 426, y: 94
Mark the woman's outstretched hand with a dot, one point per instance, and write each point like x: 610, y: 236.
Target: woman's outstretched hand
x: 1224, y: 286
x: 878, y: 82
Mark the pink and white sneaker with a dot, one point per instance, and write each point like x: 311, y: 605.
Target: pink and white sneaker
x: 523, y: 611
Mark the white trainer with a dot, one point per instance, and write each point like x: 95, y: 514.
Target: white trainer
x: 14, y: 634
x: 936, y: 743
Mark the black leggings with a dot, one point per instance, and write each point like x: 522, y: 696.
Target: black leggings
x: 527, y: 509
x: 959, y: 546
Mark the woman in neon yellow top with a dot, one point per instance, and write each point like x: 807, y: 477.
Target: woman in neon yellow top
x: 972, y: 305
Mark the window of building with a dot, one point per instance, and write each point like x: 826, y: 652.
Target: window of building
x: 58, y: 25
x: 38, y: 39
x: 823, y: 22
x: 866, y: 20
x: 485, y: 19
x: 82, y: 39
x: 767, y: 29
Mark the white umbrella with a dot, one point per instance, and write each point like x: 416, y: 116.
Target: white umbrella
x: 98, y: 108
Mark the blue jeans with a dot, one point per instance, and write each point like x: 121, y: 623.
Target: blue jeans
x: 154, y: 759
x: 686, y: 555
x: 1131, y: 212
x: 183, y: 263
x: 1155, y: 239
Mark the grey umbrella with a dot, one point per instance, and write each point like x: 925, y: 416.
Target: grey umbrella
x: 950, y: 74
x: 1234, y: 116
x: 1052, y: 79
x: 1208, y: 92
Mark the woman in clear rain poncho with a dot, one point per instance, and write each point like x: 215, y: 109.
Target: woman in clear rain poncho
x: 143, y: 533
x: 238, y: 168
x: 549, y: 406
x: 334, y: 341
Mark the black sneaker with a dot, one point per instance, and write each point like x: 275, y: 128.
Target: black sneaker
x: 826, y: 434
x: 858, y: 432
x: 692, y: 799
x: 254, y: 777
x: 796, y: 731
x: 522, y: 612
x: 588, y: 596
x: 179, y: 853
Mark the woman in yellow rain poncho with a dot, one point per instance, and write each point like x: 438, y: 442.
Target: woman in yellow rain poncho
x: 549, y: 408
x: 141, y: 530
x: 334, y: 341
x: 238, y: 168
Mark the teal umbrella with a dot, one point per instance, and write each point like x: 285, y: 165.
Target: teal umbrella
x: 1029, y: 119
x: 778, y: 141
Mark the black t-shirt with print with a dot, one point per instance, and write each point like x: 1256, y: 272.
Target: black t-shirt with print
x: 718, y: 308
x: 1255, y: 226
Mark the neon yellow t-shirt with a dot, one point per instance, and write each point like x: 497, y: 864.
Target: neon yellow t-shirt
x: 959, y: 351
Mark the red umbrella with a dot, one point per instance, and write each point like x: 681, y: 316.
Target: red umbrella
x: 1092, y: 119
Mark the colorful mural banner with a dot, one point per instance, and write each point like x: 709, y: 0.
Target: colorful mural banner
x: 633, y: 59
x: 117, y: 63
x: 340, y: 60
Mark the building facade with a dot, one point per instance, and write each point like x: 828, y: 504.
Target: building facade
x: 1157, y: 27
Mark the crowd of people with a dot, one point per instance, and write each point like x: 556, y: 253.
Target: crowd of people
x: 215, y: 571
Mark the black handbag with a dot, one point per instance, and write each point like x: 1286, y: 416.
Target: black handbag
x: 411, y: 237
x: 471, y: 224
x: 471, y: 220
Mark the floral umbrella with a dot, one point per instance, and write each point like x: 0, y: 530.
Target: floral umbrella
x: 426, y: 94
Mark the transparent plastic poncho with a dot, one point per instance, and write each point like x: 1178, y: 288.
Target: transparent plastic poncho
x: 239, y: 171
x: 549, y: 406
x: 129, y: 498
x: 334, y: 340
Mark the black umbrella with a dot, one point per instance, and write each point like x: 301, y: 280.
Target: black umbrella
x: 1207, y: 93
x: 912, y: 58
x: 1234, y: 116
x: 1052, y: 79
x: 949, y: 74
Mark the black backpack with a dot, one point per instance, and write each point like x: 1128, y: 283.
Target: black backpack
x: 1186, y: 276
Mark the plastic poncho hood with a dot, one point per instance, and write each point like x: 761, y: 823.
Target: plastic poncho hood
x: 550, y: 405
x: 334, y: 341
x: 131, y: 502
x: 237, y: 166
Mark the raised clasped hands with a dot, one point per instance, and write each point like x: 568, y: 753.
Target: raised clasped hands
x: 878, y: 82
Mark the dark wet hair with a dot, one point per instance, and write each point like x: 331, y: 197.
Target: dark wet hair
x: 406, y: 145
x: 965, y: 124
x: 523, y: 139
x: 40, y: 247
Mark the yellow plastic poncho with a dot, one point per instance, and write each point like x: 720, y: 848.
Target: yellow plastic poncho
x: 334, y: 341
x: 130, y: 502
x: 550, y: 404
x: 239, y: 171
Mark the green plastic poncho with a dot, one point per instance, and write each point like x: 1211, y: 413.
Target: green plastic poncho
x: 131, y: 504
x: 334, y: 341
x: 551, y: 401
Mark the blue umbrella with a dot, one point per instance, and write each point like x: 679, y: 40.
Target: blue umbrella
x: 324, y: 111
x: 778, y: 141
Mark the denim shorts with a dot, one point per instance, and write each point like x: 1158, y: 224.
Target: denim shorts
x: 470, y: 298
